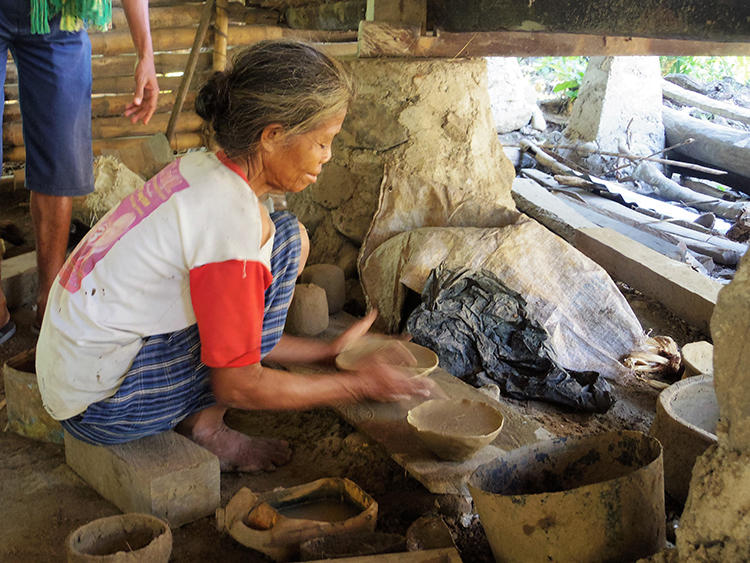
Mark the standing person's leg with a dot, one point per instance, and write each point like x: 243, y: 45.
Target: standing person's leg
x: 51, y: 217
x: 54, y: 79
x: 7, y: 31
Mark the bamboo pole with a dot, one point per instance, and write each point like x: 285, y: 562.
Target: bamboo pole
x: 221, y: 31
x: 112, y: 105
x: 182, y: 15
x: 200, y: 36
x: 180, y: 142
x: 111, y: 127
x: 123, y: 65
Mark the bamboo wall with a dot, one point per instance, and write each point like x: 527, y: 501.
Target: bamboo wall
x: 173, y: 28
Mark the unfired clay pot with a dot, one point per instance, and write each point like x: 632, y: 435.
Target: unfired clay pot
x: 125, y: 538
x: 455, y: 429
x: 351, y: 359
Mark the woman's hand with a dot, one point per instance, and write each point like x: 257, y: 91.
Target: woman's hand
x: 356, y: 331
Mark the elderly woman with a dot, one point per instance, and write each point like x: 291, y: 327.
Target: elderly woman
x: 161, y: 316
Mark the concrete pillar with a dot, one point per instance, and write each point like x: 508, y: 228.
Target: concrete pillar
x: 618, y: 109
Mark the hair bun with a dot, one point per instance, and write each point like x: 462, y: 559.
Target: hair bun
x: 213, y: 97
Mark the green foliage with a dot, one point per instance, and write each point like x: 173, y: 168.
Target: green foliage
x: 566, y: 73
x: 708, y: 69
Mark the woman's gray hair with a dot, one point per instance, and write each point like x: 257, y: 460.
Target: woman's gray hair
x: 286, y: 82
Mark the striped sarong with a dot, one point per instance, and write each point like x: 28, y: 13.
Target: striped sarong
x: 167, y: 381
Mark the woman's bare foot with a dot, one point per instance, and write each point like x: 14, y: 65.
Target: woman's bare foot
x: 238, y: 452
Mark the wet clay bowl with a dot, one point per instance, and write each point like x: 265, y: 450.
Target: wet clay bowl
x: 125, y: 538
x: 350, y: 359
x: 455, y: 429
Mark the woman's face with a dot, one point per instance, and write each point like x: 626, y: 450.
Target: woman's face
x: 293, y: 163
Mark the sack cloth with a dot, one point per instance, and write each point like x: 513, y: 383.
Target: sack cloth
x: 482, y: 333
x: 590, y: 323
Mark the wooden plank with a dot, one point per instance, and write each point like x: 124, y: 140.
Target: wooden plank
x: 387, y: 40
x: 386, y: 424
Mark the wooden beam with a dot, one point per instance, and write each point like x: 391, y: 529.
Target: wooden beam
x: 387, y: 40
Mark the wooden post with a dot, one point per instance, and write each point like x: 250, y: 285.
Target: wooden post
x: 404, y: 12
x: 200, y: 36
x: 221, y: 32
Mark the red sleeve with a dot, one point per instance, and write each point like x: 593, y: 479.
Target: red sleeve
x: 228, y: 300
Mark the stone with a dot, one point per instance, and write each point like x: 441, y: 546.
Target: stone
x: 308, y: 312
x: 698, y: 358
x: 619, y: 108
x: 347, y: 260
x: 334, y: 187
x: 26, y: 414
x: 331, y: 279
x: 512, y: 98
x: 166, y: 475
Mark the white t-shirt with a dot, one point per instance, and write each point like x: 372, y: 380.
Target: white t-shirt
x: 196, y: 224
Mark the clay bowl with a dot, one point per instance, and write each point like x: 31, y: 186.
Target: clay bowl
x: 427, y: 360
x: 124, y: 538
x: 455, y: 429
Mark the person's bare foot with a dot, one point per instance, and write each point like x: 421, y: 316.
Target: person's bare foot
x: 238, y: 452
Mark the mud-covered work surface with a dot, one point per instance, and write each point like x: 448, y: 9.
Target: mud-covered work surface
x: 43, y: 500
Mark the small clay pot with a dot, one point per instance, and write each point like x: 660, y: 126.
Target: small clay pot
x: 308, y: 312
x: 350, y: 359
x: 125, y: 538
x: 455, y: 429
x: 331, y: 278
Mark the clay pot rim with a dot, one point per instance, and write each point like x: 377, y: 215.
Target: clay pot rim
x: 345, y: 362
x: 668, y: 395
x: 577, y: 441
x: 411, y: 418
x: 161, y: 530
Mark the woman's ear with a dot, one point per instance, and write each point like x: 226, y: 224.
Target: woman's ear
x: 272, y: 136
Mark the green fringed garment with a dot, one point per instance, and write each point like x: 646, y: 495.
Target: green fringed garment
x: 96, y: 14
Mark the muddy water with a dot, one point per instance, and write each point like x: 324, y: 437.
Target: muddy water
x: 323, y: 510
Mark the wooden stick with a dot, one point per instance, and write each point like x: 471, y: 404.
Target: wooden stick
x: 200, y: 37
x: 221, y: 31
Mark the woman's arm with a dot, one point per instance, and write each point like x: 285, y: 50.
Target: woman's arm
x: 256, y: 387
x: 296, y: 350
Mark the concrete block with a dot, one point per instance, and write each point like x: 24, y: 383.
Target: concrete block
x: 20, y: 281
x: 166, y: 475
x: 687, y: 293
x: 26, y: 414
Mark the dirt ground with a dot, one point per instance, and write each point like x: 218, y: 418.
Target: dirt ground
x: 42, y: 499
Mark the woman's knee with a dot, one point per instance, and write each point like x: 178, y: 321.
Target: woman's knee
x: 304, y: 252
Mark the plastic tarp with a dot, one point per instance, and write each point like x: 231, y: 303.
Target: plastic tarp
x: 482, y: 333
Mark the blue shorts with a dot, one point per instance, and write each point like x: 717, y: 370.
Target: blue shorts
x: 167, y: 381
x: 54, y: 81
